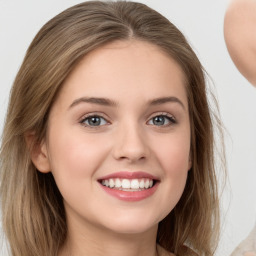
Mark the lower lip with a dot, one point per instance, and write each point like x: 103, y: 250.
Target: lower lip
x: 131, y: 196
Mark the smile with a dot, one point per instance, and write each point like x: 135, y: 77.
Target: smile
x: 128, y: 184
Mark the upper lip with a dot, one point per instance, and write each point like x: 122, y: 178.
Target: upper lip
x: 129, y: 175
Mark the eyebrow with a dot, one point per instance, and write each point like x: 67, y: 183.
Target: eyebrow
x: 111, y: 103
x: 164, y: 100
x: 93, y: 100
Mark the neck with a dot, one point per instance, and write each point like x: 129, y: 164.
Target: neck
x: 97, y: 241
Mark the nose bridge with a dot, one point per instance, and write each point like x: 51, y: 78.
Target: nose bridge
x: 130, y: 142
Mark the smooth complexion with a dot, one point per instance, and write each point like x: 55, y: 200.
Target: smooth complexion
x: 240, y: 36
x: 122, y: 111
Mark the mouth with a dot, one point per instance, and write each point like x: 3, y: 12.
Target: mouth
x: 129, y: 186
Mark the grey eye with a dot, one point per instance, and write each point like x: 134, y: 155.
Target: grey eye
x: 94, y: 121
x: 161, y: 120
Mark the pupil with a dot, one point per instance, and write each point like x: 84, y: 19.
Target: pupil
x: 94, y: 121
x: 158, y: 120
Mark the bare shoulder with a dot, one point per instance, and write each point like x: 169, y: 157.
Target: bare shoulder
x: 185, y: 251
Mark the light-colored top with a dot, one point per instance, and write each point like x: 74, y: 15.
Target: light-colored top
x: 248, y: 246
x: 163, y: 252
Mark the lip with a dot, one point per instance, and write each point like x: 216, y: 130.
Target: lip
x: 129, y: 175
x: 130, y: 196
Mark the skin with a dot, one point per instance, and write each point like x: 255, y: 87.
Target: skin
x: 131, y: 74
x: 240, y: 36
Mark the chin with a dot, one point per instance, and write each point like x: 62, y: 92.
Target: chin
x: 124, y: 228
x: 132, y: 223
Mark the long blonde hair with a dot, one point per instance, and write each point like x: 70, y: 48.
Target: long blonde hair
x: 33, y: 214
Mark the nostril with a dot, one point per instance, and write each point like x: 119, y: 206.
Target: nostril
x: 130, y: 144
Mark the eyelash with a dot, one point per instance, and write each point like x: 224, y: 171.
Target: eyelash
x: 93, y: 115
x: 171, y: 120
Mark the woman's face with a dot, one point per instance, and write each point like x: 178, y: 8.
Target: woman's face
x: 118, y: 141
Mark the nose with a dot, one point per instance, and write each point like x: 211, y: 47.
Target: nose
x: 130, y: 144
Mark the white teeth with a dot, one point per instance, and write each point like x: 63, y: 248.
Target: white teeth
x: 118, y: 183
x: 142, y: 184
x: 135, y: 184
x: 147, y: 184
x: 128, y: 184
x: 111, y: 183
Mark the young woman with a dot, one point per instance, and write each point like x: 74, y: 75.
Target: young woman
x: 108, y: 143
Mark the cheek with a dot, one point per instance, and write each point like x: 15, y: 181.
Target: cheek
x: 74, y: 156
x: 75, y: 159
x: 174, y: 154
x: 173, y: 157
x: 175, y: 163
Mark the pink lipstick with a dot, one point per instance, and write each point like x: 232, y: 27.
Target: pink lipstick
x: 129, y: 186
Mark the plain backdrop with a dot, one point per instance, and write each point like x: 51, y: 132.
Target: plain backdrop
x: 202, y: 23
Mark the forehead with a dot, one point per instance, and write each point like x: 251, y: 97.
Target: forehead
x: 126, y: 68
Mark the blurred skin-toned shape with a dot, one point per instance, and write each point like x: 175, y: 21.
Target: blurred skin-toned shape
x: 240, y: 36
